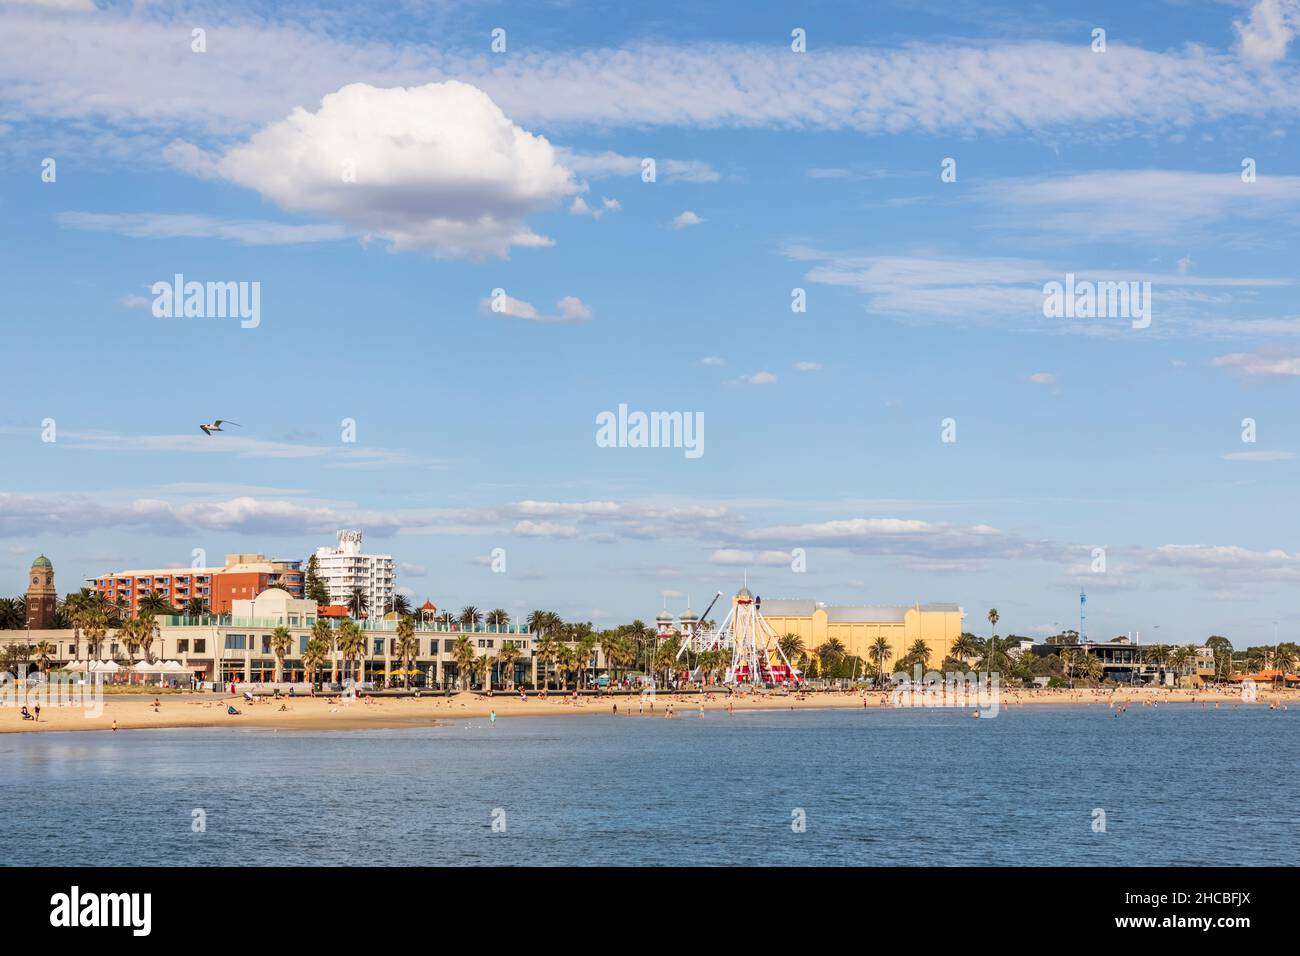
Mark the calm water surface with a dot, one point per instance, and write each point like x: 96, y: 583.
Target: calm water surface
x: 1179, y: 785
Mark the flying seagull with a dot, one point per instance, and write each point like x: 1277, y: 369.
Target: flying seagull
x: 216, y: 426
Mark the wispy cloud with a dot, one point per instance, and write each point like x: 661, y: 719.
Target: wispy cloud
x: 1272, y: 362
x: 252, y: 232
x: 568, y: 309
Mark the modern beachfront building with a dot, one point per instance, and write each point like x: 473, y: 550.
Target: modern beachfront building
x: 344, y: 568
x: 238, y: 647
x: 857, y: 626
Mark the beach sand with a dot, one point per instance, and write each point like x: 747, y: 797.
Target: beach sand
x: 132, y: 712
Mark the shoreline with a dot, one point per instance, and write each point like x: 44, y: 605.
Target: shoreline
x: 136, y: 712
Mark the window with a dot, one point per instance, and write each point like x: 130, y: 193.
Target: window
x: 302, y: 644
x: 447, y: 646
x: 379, y: 645
x: 236, y: 642
x: 200, y: 646
x: 183, y: 646
x: 266, y: 643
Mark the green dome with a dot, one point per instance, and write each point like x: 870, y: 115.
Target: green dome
x: 42, y: 562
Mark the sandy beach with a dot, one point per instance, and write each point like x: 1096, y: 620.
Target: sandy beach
x: 131, y: 712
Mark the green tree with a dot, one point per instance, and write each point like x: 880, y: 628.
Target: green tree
x: 881, y: 652
x: 408, y: 646
x: 351, y: 642
x: 281, y: 643
x: 507, y: 657
x: 791, y: 645
x: 314, y: 587
x: 462, y: 651
x: 993, y: 636
x: 326, y: 637
x: 358, y: 604
x: 965, y: 647
x: 315, y: 657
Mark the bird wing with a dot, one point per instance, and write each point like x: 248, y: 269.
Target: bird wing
x: 205, y: 429
x: 227, y: 421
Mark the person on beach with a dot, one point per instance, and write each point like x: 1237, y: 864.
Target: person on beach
x: 115, y: 723
x: 38, y: 713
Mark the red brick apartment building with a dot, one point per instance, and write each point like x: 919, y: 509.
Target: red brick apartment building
x: 243, y: 576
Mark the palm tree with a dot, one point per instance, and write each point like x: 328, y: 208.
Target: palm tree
x: 965, y: 647
x: 446, y: 619
x: 400, y: 605
x: 42, y: 651
x: 1092, y: 666
x: 94, y: 626
x: 462, y: 651
x: 791, y: 645
x: 314, y: 658
x: 881, y: 652
x: 483, y: 667
x: 196, y: 607
x: 358, y: 603
x: 611, y: 645
x: 919, y: 652
x: 128, y: 635
x: 1284, y: 658
x: 14, y: 659
x: 507, y: 657
x: 1067, y: 661
x: 543, y: 623
x: 993, y: 637
x: 281, y: 643
x: 564, y: 659
x: 156, y: 605
x: 11, y: 618
x: 497, y: 617
x: 147, y: 631
x: 584, y: 653
x: 323, y: 634
x: 546, y: 651
x: 831, y: 654
x: 470, y: 617
x: 408, y: 646
x: 352, y: 645
x: 666, y: 657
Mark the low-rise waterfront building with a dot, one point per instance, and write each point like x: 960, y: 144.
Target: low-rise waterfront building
x: 858, y: 626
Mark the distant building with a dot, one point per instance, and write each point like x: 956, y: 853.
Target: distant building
x: 241, y: 577
x: 42, y: 599
x: 344, y: 568
x: 858, y: 626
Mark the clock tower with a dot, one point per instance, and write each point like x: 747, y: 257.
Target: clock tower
x: 41, y: 596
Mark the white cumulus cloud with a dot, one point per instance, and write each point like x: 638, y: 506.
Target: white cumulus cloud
x: 437, y: 167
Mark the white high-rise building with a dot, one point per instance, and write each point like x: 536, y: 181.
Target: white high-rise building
x: 344, y: 568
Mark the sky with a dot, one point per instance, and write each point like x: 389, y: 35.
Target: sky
x: 461, y: 263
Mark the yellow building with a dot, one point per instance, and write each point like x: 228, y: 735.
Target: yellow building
x: 858, y: 626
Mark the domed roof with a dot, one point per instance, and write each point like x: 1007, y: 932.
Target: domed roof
x: 689, y: 615
x: 42, y: 562
x: 744, y: 594
x: 663, y: 616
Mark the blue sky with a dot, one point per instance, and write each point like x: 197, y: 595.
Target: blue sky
x: 818, y: 171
